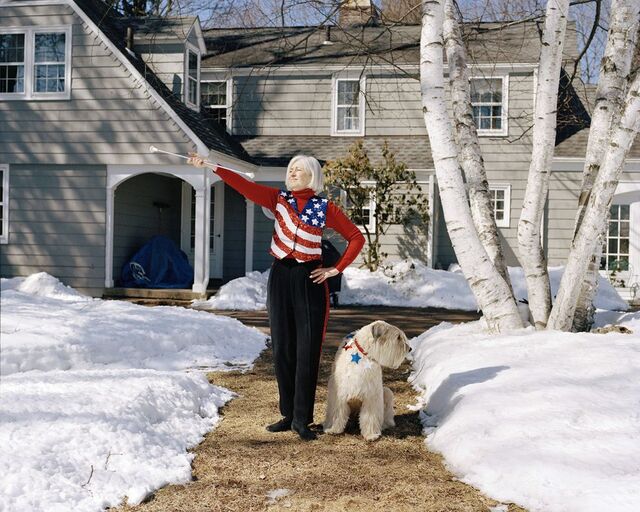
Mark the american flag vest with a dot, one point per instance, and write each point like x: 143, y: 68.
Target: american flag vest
x: 298, y: 234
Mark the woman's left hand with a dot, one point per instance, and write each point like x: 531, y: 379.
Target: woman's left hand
x: 321, y: 274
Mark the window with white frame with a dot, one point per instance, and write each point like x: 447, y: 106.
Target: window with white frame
x: 192, y: 78
x: 615, y: 253
x: 501, y: 199
x: 360, y: 217
x: 4, y: 204
x: 488, y: 101
x: 35, y: 62
x: 215, y: 98
x: 12, y: 61
x: 348, y: 106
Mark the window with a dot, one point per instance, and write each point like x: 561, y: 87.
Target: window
x: 615, y: 253
x: 49, y: 62
x: 4, y: 204
x: 348, y: 106
x: 12, y: 63
x: 501, y: 198
x: 192, y: 78
x: 365, y: 216
x: 488, y: 101
x: 35, y: 63
x: 215, y: 98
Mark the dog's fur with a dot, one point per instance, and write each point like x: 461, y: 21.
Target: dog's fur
x: 358, y: 387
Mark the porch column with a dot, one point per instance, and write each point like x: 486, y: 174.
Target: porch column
x: 108, y: 259
x: 201, y: 249
x: 248, y: 248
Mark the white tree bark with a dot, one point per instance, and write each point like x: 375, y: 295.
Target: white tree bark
x: 615, y: 68
x: 530, y: 250
x: 594, y: 223
x: 491, y: 291
x: 470, y: 156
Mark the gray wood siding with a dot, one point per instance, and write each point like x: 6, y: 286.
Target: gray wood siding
x: 235, y: 230
x: 301, y: 105
x: 136, y: 219
x: 167, y: 62
x: 57, y: 224
x: 109, y: 119
x: 282, y: 105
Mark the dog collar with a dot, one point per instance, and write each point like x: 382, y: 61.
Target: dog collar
x: 355, y: 342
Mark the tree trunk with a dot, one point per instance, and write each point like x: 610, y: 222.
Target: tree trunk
x: 470, y: 155
x: 530, y: 250
x: 490, y: 289
x: 615, y: 68
x: 594, y: 223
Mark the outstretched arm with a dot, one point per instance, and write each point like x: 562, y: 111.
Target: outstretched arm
x: 259, y: 194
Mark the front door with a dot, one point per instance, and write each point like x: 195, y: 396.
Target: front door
x: 216, y: 226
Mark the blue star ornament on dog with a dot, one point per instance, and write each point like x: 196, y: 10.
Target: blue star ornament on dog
x: 355, y: 358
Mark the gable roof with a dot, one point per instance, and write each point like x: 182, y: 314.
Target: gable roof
x: 365, y: 45
x: 209, y: 133
x: 159, y: 29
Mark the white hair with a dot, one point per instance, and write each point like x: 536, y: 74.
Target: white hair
x: 311, y: 166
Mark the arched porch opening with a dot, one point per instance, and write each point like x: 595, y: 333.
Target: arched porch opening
x: 174, y: 201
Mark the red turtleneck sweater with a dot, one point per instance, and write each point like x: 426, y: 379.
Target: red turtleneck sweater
x: 268, y: 197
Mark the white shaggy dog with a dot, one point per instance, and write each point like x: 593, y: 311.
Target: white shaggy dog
x: 356, y: 379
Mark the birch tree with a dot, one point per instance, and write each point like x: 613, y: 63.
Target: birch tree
x: 490, y: 289
x: 530, y: 250
x: 470, y: 155
x: 615, y: 126
x: 616, y: 66
x: 594, y: 223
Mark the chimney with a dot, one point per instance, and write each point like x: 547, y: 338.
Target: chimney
x: 130, y: 39
x: 327, y: 35
x: 357, y: 12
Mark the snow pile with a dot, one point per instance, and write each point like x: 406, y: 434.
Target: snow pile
x: 82, y: 440
x: 96, y: 403
x: 548, y: 420
x: 405, y: 283
x: 245, y: 293
x: 43, y: 285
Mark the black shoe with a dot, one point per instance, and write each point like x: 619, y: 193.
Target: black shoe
x: 280, y: 426
x: 304, y: 432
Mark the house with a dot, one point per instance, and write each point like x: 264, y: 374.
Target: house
x: 82, y: 192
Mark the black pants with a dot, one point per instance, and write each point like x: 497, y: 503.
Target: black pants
x: 298, y: 311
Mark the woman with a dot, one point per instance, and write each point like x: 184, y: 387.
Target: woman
x: 297, y: 292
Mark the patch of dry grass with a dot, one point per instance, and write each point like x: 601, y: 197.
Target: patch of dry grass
x: 239, y: 463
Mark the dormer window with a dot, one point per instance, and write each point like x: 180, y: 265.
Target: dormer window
x: 192, y: 78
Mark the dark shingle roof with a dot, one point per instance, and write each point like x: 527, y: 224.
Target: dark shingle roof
x: 576, y: 146
x: 158, y: 28
x: 211, y: 134
x: 400, y: 44
x: 276, y: 151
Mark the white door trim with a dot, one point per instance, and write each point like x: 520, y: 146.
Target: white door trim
x: 218, y: 239
x: 215, y: 264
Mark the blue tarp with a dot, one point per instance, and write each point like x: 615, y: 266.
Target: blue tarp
x: 158, y: 264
